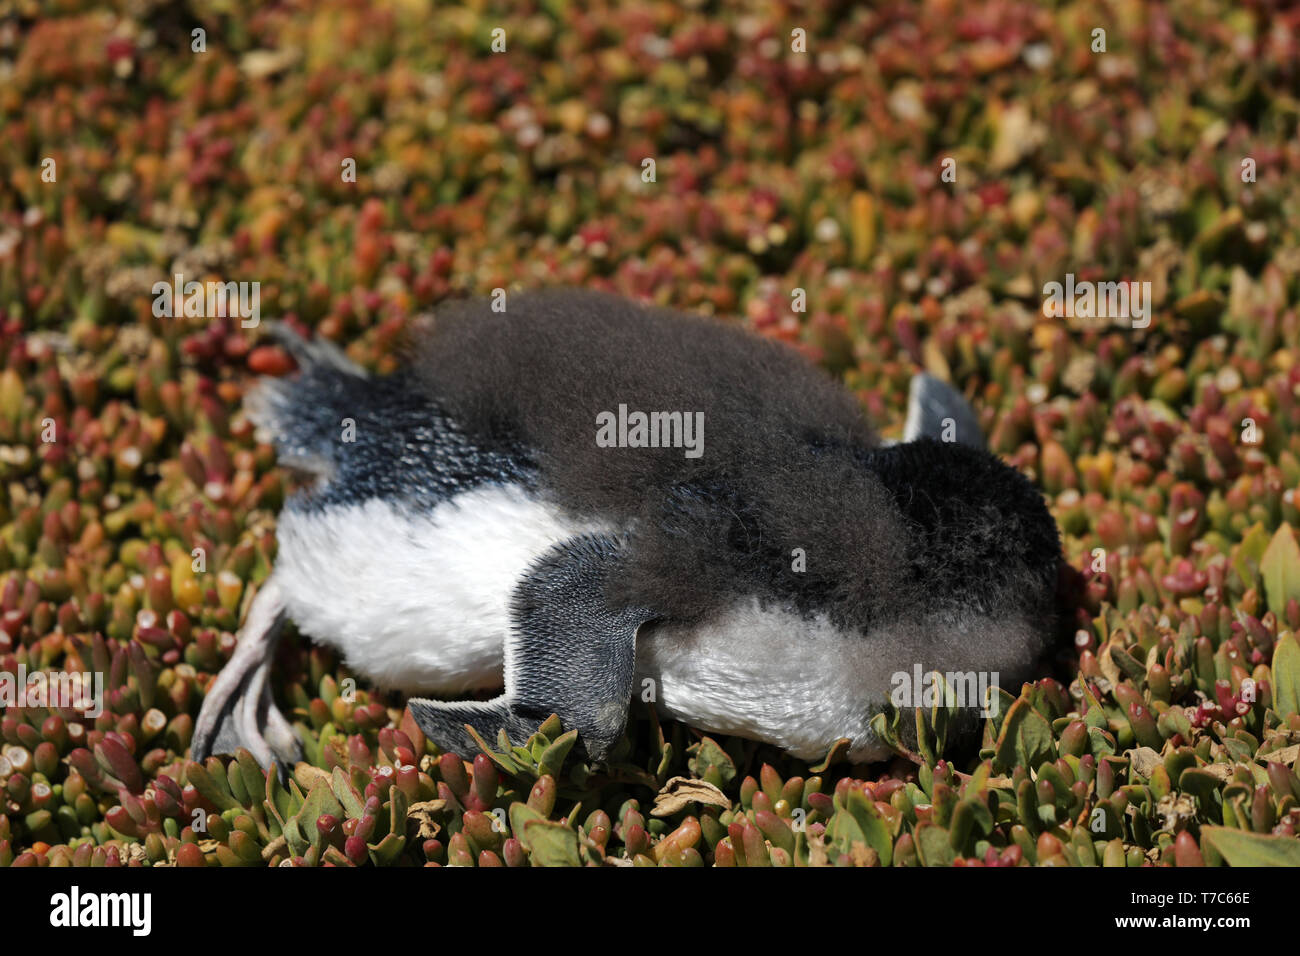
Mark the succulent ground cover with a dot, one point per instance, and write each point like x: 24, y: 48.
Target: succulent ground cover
x: 885, y: 189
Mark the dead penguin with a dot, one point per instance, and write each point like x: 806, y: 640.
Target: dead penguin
x: 585, y: 500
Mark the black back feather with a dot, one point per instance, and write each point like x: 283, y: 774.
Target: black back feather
x: 364, y: 437
x: 789, y: 462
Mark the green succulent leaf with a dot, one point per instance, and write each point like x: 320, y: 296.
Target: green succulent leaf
x: 208, y: 787
x: 934, y: 845
x: 1280, y: 567
x: 278, y: 800
x: 1250, y: 553
x: 251, y: 775
x: 343, y: 790
x: 840, y: 749
x: 297, y: 843
x: 520, y: 816
x: 858, y: 820
x: 552, y: 843
x: 1025, y: 739
x: 387, y: 850
x: 999, y: 706
x: 552, y: 757
x: 712, y: 763
x: 504, y: 760
x: 319, y: 802
x: 1242, y: 848
x: 1286, y: 674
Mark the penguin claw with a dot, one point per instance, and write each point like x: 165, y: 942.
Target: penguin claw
x: 238, y: 710
x: 252, y: 721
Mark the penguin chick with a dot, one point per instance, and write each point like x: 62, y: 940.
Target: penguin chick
x: 748, y: 555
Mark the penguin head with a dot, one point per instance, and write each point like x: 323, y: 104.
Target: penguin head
x: 978, y: 593
x: 980, y: 537
x: 876, y: 538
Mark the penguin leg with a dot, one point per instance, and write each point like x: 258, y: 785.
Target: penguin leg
x: 570, y: 654
x: 938, y: 411
x: 237, y: 709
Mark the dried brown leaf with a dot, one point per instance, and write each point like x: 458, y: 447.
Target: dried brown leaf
x: 680, y: 791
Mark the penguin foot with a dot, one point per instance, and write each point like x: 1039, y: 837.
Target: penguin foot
x: 570, y: 654
x: 237, y: 709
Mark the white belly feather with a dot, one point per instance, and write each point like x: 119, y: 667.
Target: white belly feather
x: 765, y: 674
x: 420, y: 602
x: 416, y: 601
x: 802, y: 684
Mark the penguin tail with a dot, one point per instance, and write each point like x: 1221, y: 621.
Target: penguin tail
x: 312, y: 353
x: 300, y: 414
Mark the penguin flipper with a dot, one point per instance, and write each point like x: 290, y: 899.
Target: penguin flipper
x: 237, y: 708
x: 570, y: 654
x: 936, y: 410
